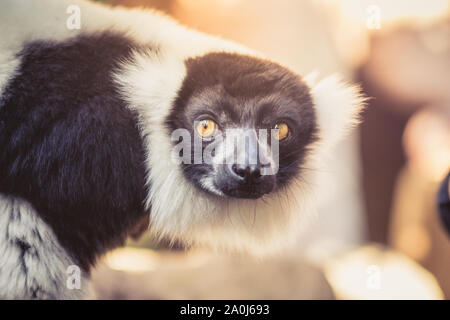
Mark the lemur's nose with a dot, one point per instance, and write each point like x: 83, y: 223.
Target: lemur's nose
x: 248, y: 173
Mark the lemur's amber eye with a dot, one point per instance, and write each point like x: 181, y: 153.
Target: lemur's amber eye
x: 283, y: 130
x: 206, y: 128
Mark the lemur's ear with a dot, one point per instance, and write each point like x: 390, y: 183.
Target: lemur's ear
x: 338, y: 106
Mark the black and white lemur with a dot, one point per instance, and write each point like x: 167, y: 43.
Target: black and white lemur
x: 86, y: 122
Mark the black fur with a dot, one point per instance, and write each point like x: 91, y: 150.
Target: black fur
x: 69, y: 144
x: 444, y: 202
x: 247, y: 79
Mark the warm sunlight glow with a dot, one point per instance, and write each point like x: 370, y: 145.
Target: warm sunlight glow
x: 416, y: 11
x: 426, y: 142
x: 373, y: 273
x: 132, y: 259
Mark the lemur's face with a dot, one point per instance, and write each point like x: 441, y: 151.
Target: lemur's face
x: 241, y: 126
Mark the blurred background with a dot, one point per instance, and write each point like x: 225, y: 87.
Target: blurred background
x: 378, y: 233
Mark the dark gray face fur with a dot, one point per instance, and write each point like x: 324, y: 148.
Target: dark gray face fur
x: 246, y: 97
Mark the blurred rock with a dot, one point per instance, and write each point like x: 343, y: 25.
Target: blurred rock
x: 375, y: 272
x: 144, y: 274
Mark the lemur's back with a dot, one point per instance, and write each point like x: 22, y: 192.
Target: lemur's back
x: 71, y: 154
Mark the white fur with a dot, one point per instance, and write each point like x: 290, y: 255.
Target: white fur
x: 338, y: 105
x: 43, y: 265
x: 8, y: 66
x: 46, y: 20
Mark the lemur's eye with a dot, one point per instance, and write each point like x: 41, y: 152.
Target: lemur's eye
x: 283, y: 130
x: 206, y: 128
